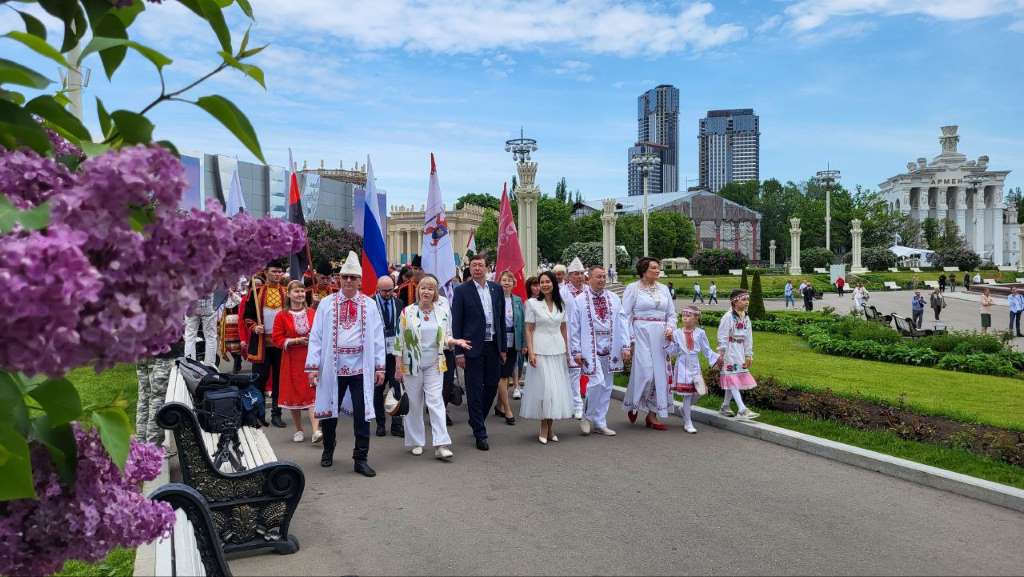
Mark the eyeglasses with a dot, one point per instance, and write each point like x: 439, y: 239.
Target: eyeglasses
x: 349, y: 277
x: 386, y: 291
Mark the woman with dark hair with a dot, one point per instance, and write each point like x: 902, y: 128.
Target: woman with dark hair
x: 532, y: 292
x: 651, y: 317
x: 548, y: 396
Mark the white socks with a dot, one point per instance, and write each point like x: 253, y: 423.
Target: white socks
x: 734, y: 394
x: 687, y: 408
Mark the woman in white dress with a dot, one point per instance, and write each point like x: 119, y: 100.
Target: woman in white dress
x: 651, y: 317
x: 548, y: 396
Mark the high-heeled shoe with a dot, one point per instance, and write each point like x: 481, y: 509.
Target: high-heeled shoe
x: 652, y: 424
x: 498, y: 412
x: 631, y: 415
x: 553, y: 438
x: 543, y: 440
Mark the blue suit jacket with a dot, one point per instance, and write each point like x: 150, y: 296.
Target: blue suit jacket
x: 468, y: 321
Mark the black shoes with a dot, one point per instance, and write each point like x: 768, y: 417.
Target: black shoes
x: 398, y: 432
x: 482, y: 445
x: 326, y: 461
x: 364, y: 469
x: 277, y: 422
x: 381, y: 430
x: 448, y: 421
x: 510, y: 420
x: 498, y: 412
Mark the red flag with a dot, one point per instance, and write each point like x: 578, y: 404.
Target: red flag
x: 301, y: 261
x: 510, y: 257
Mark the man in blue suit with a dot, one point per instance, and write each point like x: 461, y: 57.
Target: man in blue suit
x: 478, y: 307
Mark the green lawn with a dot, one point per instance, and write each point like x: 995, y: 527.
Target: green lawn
x: 997, y: 401
x: 119, y: 381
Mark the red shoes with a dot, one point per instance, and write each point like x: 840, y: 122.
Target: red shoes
x: 651, y: 424
x: 631, y: 415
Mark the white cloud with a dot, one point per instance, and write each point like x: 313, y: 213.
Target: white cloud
x: 499, y: 65
x: 622, y: 27
x: 770, y: 23
x: 576, y: 69
x: 807, y: 15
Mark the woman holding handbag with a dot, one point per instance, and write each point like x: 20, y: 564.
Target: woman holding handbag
x: 424, y: 330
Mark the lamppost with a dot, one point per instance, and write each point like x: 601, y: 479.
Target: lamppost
x: 645, y: 162
x: 828, y: 178
x: 527, y: 195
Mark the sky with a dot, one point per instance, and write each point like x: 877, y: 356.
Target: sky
x: 860, y: 85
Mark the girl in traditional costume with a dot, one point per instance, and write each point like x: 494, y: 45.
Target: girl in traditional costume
x: 291, y: 335
x: 689, y: 343
x: 736, y: 346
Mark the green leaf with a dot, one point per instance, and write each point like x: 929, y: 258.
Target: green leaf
x: 133, y: 127
x: 101, y: 44
x: 94, y: 148
x: 14, y: 73
x: 250, y: 70
x: 74, y: 29
x: 33, y: 26
x: 245, y: 41
x: 115, y: 432
x: 251, y: 52
x: 59, y: 441
x: 60, y: 400
x: 105, y: 123
x: 18, y: 128
x: 39, y: 46
x: 140, y: 217
x: 13, y: 411
x: 246, y: 7
x: 193, y: 5
x: 234, y: 120
x: 35, y: 218
x: 112, y: 27
x: 169, y: 146
x: 12, y: 96
x: 157, y: 58
x: 57, y: 117
x: 16, y: 470
x: 215, y: 16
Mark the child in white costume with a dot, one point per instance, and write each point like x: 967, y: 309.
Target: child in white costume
x: 688, y: 343
x: 736, y: 346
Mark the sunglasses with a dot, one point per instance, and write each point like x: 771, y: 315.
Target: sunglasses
x: 349, y: 277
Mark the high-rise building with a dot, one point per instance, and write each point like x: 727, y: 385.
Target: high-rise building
x: 657, y: 122
x: 730, y: 148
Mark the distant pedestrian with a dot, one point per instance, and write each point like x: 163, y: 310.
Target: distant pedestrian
x: 713, y: 293
x: 915, y: 282
x: 860, y: 298
x: 671, y: 290
x: 938, y: 302
x: 952, y: 283
x: 986, y: 311
x: 967, y: 281
x: 808, y: 294
x: 840, y: 284
x: 1016, y: 304
x: 942, y: 283
x: 787, y: 294
x: 697, y: 294
x: 917, y: 309
x: 976, y: 279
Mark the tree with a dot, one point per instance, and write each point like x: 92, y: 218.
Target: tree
x: 481, y: 200
x: 715, y: 261
x: 756, y: 310
x: 561, y: 191
x: 589, y: 253
x: 959, y: 256
x: 816, y: 257
x: 587, y: 228
x: 743, y: 280
x: 487, y: 233
x: 327, y: 244
x: 554, y: 231
x: 950, y: 235
x: 878, y: 258
x: 670, y: 234
x: 745, y: 193
x: 931, y: 231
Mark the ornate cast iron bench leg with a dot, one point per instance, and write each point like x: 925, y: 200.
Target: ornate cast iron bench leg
x: 196, y: 509
x: 251, y: 510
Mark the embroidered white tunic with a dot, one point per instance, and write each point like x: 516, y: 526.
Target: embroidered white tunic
x: 647, y: 313
x: 569, y: 294
x: 340, y: 345
x: 686, y: 370
x: 598, y: 330
x: 735, y: 344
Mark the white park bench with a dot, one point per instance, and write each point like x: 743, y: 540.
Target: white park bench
x: 950, y: 269
x: 820, y: 270
x: 890, y: 285
x: 691, y: 273
x: 932, y: 284
x: 1007, y: 268
x: 893, y: 269
x: 914, y: 269
x: 736, y: 271
x: 990, y: 281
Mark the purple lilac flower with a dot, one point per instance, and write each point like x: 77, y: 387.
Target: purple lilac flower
x: 104, y: 510
x: 29, y: 179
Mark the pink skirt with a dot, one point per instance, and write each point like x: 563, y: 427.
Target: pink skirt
x: 740, y: 381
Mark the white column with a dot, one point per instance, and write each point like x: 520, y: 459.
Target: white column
x: 997, y: 236
x: 771, y: 253
x: 608, y: 236
x: 1020, y: 249
x: 855, y: 235
x: 960, y: 197
x: 794, y: 244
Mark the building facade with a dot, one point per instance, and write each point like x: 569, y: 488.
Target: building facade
x: 657, y: 133
x: 405, y: 231
x: 729, y: 148
x: 963, y: 191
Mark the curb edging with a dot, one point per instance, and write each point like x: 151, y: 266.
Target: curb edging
x: 934, y: 477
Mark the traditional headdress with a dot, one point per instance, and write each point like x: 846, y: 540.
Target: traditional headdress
x: 352, y: 266
x: 691, y: 310
x: 737, y: 293
x: 576, y: 265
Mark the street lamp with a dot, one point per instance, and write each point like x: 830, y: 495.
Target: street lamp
x: 521, y: 147
x: 646, y: 162
x: 828, y: 178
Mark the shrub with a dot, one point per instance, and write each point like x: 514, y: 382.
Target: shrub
x: 816, y: 257
x: 714, y: 261
x: 961, y: 343
x: 878, y: 258
x: 589, y: 253
x: 981, y: 363
x: 856, y: 329
x: 960, y: 256
x: 756, y: 309
x: 744, y: 284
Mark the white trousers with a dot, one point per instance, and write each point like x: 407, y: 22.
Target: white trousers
x: 599, y: 393
x: 209, y: 337
x: 574, y: 386
x: 425, y: 389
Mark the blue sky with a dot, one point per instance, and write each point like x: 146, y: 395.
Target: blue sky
x: 861, y: 84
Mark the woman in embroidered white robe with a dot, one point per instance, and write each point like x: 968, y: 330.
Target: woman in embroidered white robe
x: 651, y: 317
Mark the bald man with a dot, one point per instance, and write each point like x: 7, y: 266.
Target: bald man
x: 390, y: 310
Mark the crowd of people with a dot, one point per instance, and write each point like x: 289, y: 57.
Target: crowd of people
x: 322, y: 348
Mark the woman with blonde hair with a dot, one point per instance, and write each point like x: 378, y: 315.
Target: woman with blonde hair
x: 513, y: 344
x: 291, y: 335
x: 424, y: 330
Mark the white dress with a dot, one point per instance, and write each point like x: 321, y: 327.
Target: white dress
x: 647, y: 313
x: 548, y: 395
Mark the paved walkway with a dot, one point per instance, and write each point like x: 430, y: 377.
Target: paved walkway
x: 643, y: 502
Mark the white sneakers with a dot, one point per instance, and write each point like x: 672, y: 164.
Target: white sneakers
x: 577, y: 414
x: 585, y: 426
x: 690, y: 429
x: 298, y: 437
x: 443, y: 453
x: 317, y: 437
x: 748, y: 415
x: 417, y: 451
x: 517, y: 393
x: 725, y: 411
x: 604, y: 431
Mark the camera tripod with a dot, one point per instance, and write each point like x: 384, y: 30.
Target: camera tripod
x: 229, y: 449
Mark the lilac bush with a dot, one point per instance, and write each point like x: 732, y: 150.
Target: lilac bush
x: 102, y: 511
x: 102, y: 290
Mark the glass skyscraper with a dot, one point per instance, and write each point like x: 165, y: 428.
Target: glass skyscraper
x: 730, y: 148
x: 657, y: 133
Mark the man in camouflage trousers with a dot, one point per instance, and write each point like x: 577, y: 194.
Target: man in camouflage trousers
x: 153, y: 374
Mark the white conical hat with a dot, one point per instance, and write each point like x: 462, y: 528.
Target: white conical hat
x: 352, y: 266
x: 576, y: 265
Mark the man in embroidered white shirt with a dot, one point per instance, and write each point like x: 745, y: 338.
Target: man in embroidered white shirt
x: 346, y: 359
x: 570, y: 290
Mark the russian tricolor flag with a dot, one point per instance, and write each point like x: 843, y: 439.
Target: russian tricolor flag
x: 375, y: 255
